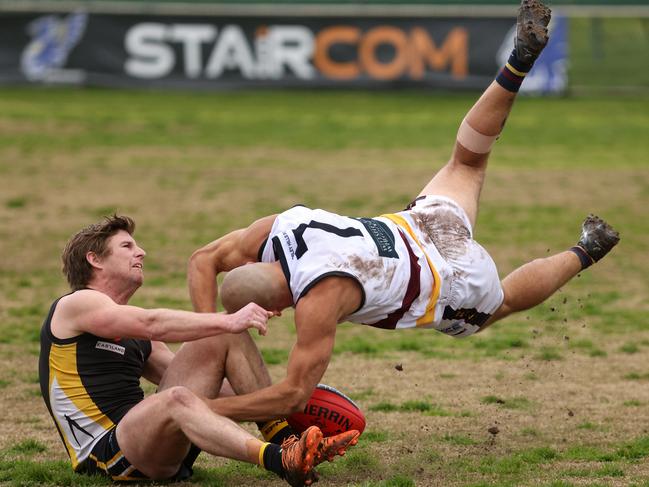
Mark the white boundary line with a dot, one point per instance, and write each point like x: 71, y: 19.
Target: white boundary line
x: 303, y: 10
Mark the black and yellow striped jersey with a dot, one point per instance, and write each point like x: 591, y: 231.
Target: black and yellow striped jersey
x: 89, y: 383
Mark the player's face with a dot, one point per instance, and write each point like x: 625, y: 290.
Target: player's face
x: 125, y: 260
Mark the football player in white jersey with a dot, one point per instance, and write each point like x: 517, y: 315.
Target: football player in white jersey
x: 416, y: 268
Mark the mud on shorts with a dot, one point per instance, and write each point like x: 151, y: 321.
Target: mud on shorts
x: 106, y: 458
x: 473, y: 291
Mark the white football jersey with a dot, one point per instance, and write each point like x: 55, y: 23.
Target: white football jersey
x: 404, y: 280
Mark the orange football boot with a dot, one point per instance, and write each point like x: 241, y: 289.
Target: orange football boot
x: 335, y: 445
x: 298, y: 457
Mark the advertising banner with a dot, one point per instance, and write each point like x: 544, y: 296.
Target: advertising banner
x: 222, y: 52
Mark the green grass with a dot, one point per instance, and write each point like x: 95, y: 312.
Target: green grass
x: 358, y: 460
x: 425, y: 407
x: 530, y: 432
x: 599, y: 50
x: 349, y: 120
x: 513, y: 403
x: 27, y: 447
x: 18, y: 202
x: 636, y: 376
x: 460, y: 440
x: 633, y: 403
x: 25, y: 473
x: 629, y: 348
x: 375, y: 436
x: 274, y: 355
x: 549, y: 353
x: 200, y: 164
x: 394, y: 481
x: 231, y: 473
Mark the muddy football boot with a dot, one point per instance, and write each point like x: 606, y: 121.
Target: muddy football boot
x: 597, y: 238
x: 335, y: 445
x: 298, y: 457
x: 531, y: 30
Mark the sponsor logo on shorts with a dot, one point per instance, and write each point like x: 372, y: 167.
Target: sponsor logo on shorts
x: 111, y: 347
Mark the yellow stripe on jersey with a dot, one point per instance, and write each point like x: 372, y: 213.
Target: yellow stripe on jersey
x: 71, y: 452
x: 429, y: 315
x: 63, y: 367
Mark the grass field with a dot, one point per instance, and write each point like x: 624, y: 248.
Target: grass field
x: 567, y: 384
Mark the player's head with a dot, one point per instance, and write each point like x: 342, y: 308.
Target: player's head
x: 260, y: 283
x: 93, y: 243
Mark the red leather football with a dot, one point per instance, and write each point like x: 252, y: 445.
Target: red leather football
x: 331, y: 410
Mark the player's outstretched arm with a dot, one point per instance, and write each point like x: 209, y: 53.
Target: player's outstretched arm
x: 235, y: 249
x: 316, y: 317
x: 94, y: 312
x: 307, y: 364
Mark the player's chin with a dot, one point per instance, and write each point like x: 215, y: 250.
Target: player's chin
x: 138, y: 279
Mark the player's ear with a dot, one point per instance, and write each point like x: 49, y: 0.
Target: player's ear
x: 93, y: 259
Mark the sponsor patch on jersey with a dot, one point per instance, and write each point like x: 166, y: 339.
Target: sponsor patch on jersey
x: 111, y: 347
x: 382, y: 236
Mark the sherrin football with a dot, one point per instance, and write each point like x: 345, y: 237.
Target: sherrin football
x: 331, y: 410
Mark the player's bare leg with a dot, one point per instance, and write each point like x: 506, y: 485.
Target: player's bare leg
x: 461, y: 179
x: 202, y: 365
x: 534, y: 282
x: 155, y: 437
x: 225, y: 364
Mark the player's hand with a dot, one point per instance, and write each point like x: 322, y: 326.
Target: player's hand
x: 250, y: 316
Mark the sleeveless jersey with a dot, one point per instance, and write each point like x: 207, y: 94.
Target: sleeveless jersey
x: 405, y: 281
x: 88, y: 384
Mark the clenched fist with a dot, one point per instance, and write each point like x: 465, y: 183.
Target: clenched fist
x: 250, y: 316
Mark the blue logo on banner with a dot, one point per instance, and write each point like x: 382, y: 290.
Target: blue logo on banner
x: 52, y: 40
x: 550, y: 72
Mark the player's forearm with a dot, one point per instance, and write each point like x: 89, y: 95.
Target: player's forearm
x: 169, y: 325
x: 277, y: 401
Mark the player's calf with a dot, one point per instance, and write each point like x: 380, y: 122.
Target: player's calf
x: 597, y: 239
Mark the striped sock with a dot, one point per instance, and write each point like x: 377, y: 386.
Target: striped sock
x: 275, y: 431
x: 511, y: 76
x: 270, y: 457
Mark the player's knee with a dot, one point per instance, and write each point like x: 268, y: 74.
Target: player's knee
x: 210, y: 348
x: 180, y: 397
x: 467, y: 159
